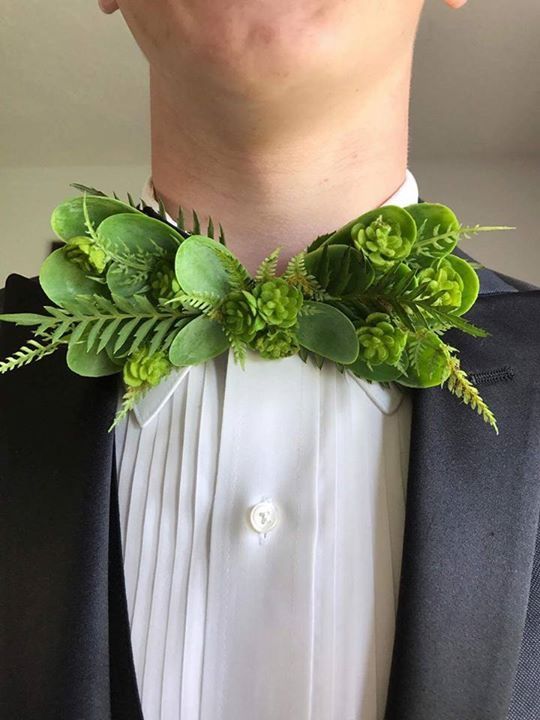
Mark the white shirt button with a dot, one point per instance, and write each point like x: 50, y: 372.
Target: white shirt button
x: 263, y: 516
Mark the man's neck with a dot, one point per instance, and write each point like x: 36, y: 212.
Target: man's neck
x: 271, y: 176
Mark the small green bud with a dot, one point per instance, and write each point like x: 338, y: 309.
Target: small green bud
x: 442, y: 277
x: 276, y: 343
x: 240, y: 315
x: 382, y: 244
x: 143, y: 369
x: 278, y: 302
x: 83, y: 251
x: 380, y: 340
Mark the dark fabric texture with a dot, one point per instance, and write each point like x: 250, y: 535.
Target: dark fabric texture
x: 467, y: 640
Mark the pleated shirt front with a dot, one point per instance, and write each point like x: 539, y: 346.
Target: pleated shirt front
x: 262, y: 514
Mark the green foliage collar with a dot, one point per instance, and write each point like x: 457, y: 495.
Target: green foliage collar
x: 131, y: 294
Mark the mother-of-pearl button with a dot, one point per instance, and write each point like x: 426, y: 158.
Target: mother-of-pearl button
x: 263, y: 516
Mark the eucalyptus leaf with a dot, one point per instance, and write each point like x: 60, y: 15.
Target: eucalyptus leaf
x: 125, y: 283
x: 89, y: 364
x: 200, y: 340
x: 438, y: 231
x: 375, y: 373
x: 428, y: 362
x: 204, y: 265
x: 67, y: 219
x: 62, y: 280
x: 137, y: 234
x: 326, y: 331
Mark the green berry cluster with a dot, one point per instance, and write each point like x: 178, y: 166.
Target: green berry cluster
x: 143, y: 369
x: 381, y: 242
x: 381, y: 341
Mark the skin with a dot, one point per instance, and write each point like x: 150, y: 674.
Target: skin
x: 280, y: 120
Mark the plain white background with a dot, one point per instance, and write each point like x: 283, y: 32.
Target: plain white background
x: 75, y: 108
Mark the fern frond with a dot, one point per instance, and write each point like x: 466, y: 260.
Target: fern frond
x: 88, y: 222
x: 267, y: 269
x: 180, y: 222
x: 196, y: 230
x: 129, y: 400
x: 238, y: 274
x: 296, y: 274
x: 206, y: 302
x: 31, y: 352
x: 239, y: 348
x: 222, y: 236
x: 459, y: 385
x: 87, y: 189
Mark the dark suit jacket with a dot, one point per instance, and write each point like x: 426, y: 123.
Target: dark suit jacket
x: 468, y: 629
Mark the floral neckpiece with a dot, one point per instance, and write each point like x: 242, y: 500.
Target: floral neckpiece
x: 133, y: 294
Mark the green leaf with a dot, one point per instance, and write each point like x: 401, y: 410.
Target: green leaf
x: 126, y: 282
x: 376, y: 373
x: 63, y: 280
x: 89, y: 364
x: 137, y: 234
x: 340, y: 269
x: 25, y: 318
x: 471, y: 282
x: 438, y: 231
x: 204, y: 265
x: 67, y: 219
x: 326, y: 331
x: 428, y: 362
x: 200, y: 340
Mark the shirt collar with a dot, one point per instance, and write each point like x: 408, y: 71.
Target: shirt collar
x: 386, y: 397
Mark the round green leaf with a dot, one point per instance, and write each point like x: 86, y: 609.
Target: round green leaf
x: 376, y: 373
x: 428, y: 364
x: 67, y: 219
x: 326, y: 331
x: 89, y: 364
x: 200, y: 340
x: 204, y: 265
x: 137, y: 233
x: 433, y: 220
x: 471, y: 282
x: 124, y: 283
x: 340, y: 269
x: 63, y: 280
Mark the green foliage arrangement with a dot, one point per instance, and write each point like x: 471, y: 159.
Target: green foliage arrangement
x: 132, y: 294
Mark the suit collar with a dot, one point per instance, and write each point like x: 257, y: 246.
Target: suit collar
x: 471, y: 522
x: 62, y: 547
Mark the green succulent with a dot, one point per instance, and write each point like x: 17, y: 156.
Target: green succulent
x: 382, y: 244
x: 278, y: 302
x: 380, y: 340
x: 83, y: 251
x: 442, y: 277
x: 163, y: 282
x: 240, y: 315
x: 145, y: 369
x: 276, y: 343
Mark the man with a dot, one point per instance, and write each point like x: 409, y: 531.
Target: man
x: 236, y: 547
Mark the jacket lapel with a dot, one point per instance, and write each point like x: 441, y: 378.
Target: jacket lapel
x: 472, y: 519
x: 67, y: 653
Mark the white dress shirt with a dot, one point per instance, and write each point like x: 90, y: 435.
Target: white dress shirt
x: 262, y: 515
